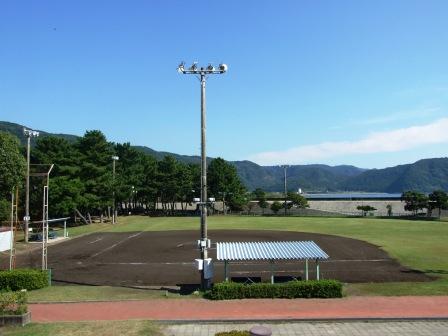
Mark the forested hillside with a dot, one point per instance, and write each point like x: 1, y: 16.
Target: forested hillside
x: 313, y: 177
x: 17, y: 130
x: 424, y: 175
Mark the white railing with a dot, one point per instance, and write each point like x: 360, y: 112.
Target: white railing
x: 56, y: 220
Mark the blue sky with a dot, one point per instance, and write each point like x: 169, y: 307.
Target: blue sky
x: 335, y: 82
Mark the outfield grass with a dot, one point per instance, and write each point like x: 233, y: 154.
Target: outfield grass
x: 416, y: 244
x: 97, y: 328
x: 97, y: 293
x: 438, y: 287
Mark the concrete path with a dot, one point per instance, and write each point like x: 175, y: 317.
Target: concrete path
x: 405, y: 307
x: 414, y: 328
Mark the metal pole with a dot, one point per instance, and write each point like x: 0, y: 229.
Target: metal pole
x: 204, y: 282
x: 286, y: 196
x: 317, y: 270
x: 223, y: 203
x: 202, y: 72
x: 113, y: 191
x: 45, y: 216
x: 11, y: 252
x: 27, y: 187
x: 306, y: 270
x: 226, y: 270
x: 44, y: 228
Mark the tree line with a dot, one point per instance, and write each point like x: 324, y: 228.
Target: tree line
x: 292, y: 200
x: 82, y: 182
x: 416, y: 201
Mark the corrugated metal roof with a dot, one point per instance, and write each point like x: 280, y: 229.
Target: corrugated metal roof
x: 288, y: 250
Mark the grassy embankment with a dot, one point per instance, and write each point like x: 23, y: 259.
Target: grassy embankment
x: 416, y: 244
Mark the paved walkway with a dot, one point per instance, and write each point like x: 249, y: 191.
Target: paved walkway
x: 414, y: 328
x: 405, y: 307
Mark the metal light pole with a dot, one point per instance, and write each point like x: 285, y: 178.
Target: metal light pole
x: 114, y: 158
x: 201, y: 73
x: 223, y: 202
x: 29, y: 134
x: 285, y: 190
x: 45, y: 208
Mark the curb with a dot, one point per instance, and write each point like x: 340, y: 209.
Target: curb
x: 306, y: 320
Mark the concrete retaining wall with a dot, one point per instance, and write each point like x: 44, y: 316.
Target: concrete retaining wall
x: 349, y: 207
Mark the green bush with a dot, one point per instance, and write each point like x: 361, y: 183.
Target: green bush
x: 233, y: 333
x: 23, y: 279
x: 289, y: 290
x: 13, y: 303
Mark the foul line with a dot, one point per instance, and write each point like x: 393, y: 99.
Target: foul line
x: 148, y: 263
x: 115, y: 245
x: 96, y: 240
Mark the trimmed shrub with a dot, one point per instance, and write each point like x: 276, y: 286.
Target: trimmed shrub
x: 13, y: 303
x: 233, y: 333
x: 23, y: 279
x: 289, y: 290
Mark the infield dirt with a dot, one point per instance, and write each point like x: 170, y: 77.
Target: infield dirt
x: 167, y: 258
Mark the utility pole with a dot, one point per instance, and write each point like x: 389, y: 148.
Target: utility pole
x: 224, y: 203
x: 29, y: 134
x: 285, y: 190
x: 201, y: 73
x: 114, y: 219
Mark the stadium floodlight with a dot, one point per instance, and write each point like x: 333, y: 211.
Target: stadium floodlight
x: 29, y: 134
x: 195, y: 70
x: 223, y: 68
x: 181, y: 67
x: 202, y: 72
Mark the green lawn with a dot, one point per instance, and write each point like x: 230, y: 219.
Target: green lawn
x: 96, y: 328
x: 97, y: 293
x: 417, y: 244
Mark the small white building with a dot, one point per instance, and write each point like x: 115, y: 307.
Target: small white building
x: 5, y: 238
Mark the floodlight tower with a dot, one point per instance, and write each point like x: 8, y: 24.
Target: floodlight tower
x: 114, y: 158
x: 201, y: 73
x: 29, y: 134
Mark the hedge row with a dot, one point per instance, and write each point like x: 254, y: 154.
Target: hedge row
x: 289, y: 290
x: 233, y: 333
x: 18, y: 279
x: 13, y: 303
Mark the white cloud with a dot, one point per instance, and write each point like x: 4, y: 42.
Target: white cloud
x: 393, y: 117
x: 379, y: 142
x: 404, y: 115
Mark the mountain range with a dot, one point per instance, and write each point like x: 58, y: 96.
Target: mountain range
x: 424, y: 175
